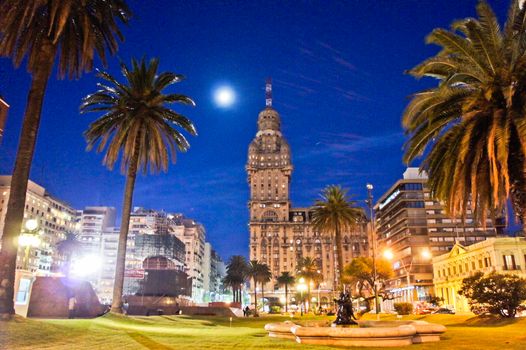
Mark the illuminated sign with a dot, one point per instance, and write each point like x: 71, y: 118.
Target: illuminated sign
x: 389, y: 199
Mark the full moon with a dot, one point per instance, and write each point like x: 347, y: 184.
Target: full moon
x: 224, y: 96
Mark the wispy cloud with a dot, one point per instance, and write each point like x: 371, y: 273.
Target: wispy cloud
x: 299, y: 87
x: 343, y: 145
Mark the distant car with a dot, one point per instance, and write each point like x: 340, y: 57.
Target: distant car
x: 423, y: 311
x: 444, y: 310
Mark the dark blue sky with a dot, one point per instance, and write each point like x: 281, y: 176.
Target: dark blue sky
x: 339, y: 86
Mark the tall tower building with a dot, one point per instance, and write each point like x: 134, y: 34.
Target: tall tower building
x: 281, y: 235
x: 269, y: 168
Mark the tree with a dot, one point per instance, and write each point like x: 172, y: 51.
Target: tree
x: 236, y: 275
x: 360, y: 273
x: 253, y: 271
x: 286, y: 279
x: 40, y: 32
x: 139, y: 125
x: 333, y: 213
x: 308, y: 269
x: 265, y: 276
x: 499, y: 294
x: 259, y: 272
x: 472, y: 126
x: 66, y: 248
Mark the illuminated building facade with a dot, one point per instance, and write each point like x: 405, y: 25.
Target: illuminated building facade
x: 281, y: 235
x: 54, y: 218
x: 500, y: 255
x: 411, y: 224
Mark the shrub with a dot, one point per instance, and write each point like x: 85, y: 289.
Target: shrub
x: 403, y: 308
x: 499, y: 294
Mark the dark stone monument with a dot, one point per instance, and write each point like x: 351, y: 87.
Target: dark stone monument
x: 345, y: 314
x: 50, y: 296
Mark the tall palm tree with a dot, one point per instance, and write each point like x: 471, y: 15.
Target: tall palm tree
x: 40, y: 33
x: 230, y: 281
x: 471, y: 127
x: 66, y: 248
x: 333, y: 213
x: 139, y: 125
x: 265, y: 276
x: 286, y: 279
x: 236, y: 275
x: 254, y: 272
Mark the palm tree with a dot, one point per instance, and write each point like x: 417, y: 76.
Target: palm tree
x: 308, y: 269
x: 66, y: 248
x: 472, y: 126
x: 335, y: 212
x: 254, y: 271
x: 230, y: 281
x: 236, y: 275
x: 40, y: 32
x: 138, y: 124
x: 286, y: 279
x: 265, y: 276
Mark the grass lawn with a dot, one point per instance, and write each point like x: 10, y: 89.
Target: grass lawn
x: 183, y: 332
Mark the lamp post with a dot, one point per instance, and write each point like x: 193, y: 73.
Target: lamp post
x: 29, y: 239
x: 369, y: 202
x: 302, y: 287
x: 425, y: 254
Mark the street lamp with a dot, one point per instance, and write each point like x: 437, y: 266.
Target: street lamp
x: 369, y: 202
x: 425, y: 254
x: 29, y: 239
x: 302, y: 287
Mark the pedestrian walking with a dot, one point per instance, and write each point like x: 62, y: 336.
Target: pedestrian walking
x: 72, y: 306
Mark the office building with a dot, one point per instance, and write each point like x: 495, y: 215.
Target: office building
x: 413, y: 226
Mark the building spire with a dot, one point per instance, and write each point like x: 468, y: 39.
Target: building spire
x: 268, y: 92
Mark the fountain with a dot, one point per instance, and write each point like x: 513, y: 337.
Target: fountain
x: 368, y: 333
x: 345, y: 315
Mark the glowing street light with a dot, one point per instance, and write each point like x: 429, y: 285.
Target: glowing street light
x: 388, y: 254
x: 425, y: 254
x: 31, y: 224
x: 302, y: 288
x: 29, y: 239
x: 86, y: 265
x: 369, y: 202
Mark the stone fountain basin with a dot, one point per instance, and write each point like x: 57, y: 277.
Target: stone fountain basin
x: 369, y: 333
x: 425, y: 331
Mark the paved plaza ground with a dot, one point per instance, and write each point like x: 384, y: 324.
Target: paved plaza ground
x: 183, y: 332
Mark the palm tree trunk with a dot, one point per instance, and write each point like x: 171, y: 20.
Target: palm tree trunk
x: 255, y: 297
x: 17, y: 194
x: 263, y: 295
x: 339, y: 253
x: 286, y: 297
x: 116, y: 305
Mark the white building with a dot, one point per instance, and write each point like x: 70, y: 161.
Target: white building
x: 54, y: 218
x: 94, y: 221
x: 501, y: 255
x: 109, y: 247
x: 193, y: 236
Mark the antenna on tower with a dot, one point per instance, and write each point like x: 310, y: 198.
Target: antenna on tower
x: 268, y: 92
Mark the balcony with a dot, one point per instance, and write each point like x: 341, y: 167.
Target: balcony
x: 511, y: 268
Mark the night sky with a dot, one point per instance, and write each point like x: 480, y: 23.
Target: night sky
x: 339, y: 86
